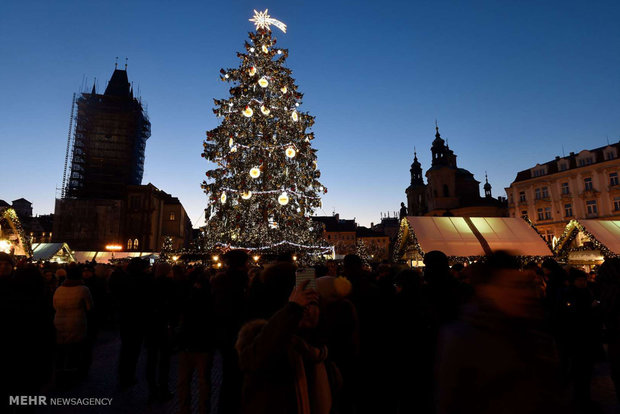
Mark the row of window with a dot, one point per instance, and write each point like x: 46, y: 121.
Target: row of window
x: 543, y: 192
x: 581, y: 162
x: 591, y: 210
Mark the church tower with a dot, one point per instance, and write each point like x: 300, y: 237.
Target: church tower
x: 110, y: 141
x: 416, y: 192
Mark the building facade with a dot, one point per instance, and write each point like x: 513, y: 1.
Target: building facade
x: 450, y: 190
x: 579, y: 186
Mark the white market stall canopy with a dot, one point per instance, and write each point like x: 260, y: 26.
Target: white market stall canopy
x: 108, y: 257
x: 470, y: 236
x: 606, y: 232
x: 53, y: 252
x: 599, y: 235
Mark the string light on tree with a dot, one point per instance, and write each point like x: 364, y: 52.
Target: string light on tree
x: 283, y: 199
x: 255, y: 172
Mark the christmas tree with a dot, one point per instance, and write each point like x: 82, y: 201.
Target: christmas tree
x: 264, y: 185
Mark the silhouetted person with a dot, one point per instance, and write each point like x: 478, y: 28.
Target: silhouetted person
x: 196, y: 344
x: 578, y: 335
x: 160, y: 294
x: 229, y: 298
x: 403, y: 211
x: 494, y: 358
x: 129, y: 287
x: 72, y: 303
x: 27, y: 329
x: 608, y: 279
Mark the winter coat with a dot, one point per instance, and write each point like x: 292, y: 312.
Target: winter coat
x: 282, y: 373
x: 490, y: 363
x: 71, y: 301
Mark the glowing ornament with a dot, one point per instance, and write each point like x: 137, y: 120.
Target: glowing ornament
x: 231, y: 142
x: 264, y: 110
x: 252, y: 71
x: 283, y: 199
x: 248, y: 112
x: 295, y: 116
x: 233, y: 149
x: 223, y: 198
x: 252, y: 49
x: 290, y: 152
x: 264, y: 49
x: 227, y: 76
x: 246, y: 195
x: 284, y: 89
x: 279, y: 52
x: 255, y: 172
x: 262, y: 20
x: 262, y: 82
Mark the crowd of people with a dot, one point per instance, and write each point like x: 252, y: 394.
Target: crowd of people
x: 494, y: 336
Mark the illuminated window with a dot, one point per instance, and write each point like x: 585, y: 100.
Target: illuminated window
x: 129, y: 244
x: 587, y: 184
x: 135, y: 244
x: 613, y: 178
x: 568, y: 210
x: 172, y: 217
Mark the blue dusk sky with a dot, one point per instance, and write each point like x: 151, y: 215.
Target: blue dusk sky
x: 511, y: 83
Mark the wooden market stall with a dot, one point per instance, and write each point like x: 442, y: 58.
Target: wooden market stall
x: 467, y: 238
x: 587, y: 243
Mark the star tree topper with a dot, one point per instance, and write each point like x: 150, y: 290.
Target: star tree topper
x: 262, y: 21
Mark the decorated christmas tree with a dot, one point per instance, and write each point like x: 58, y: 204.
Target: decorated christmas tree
x: 264, y: 185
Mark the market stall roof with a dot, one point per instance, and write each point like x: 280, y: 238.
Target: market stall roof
x: 107, y: 257
x: 604, y: 235
x: 607, y: 232
x: 475, y: 236
x: 47, y: 251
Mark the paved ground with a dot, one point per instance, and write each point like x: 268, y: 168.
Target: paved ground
x: 101, y: 383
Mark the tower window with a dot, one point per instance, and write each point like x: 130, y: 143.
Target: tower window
x: 135, y: 244
x: 172, y: 216
x: 129, y: 244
